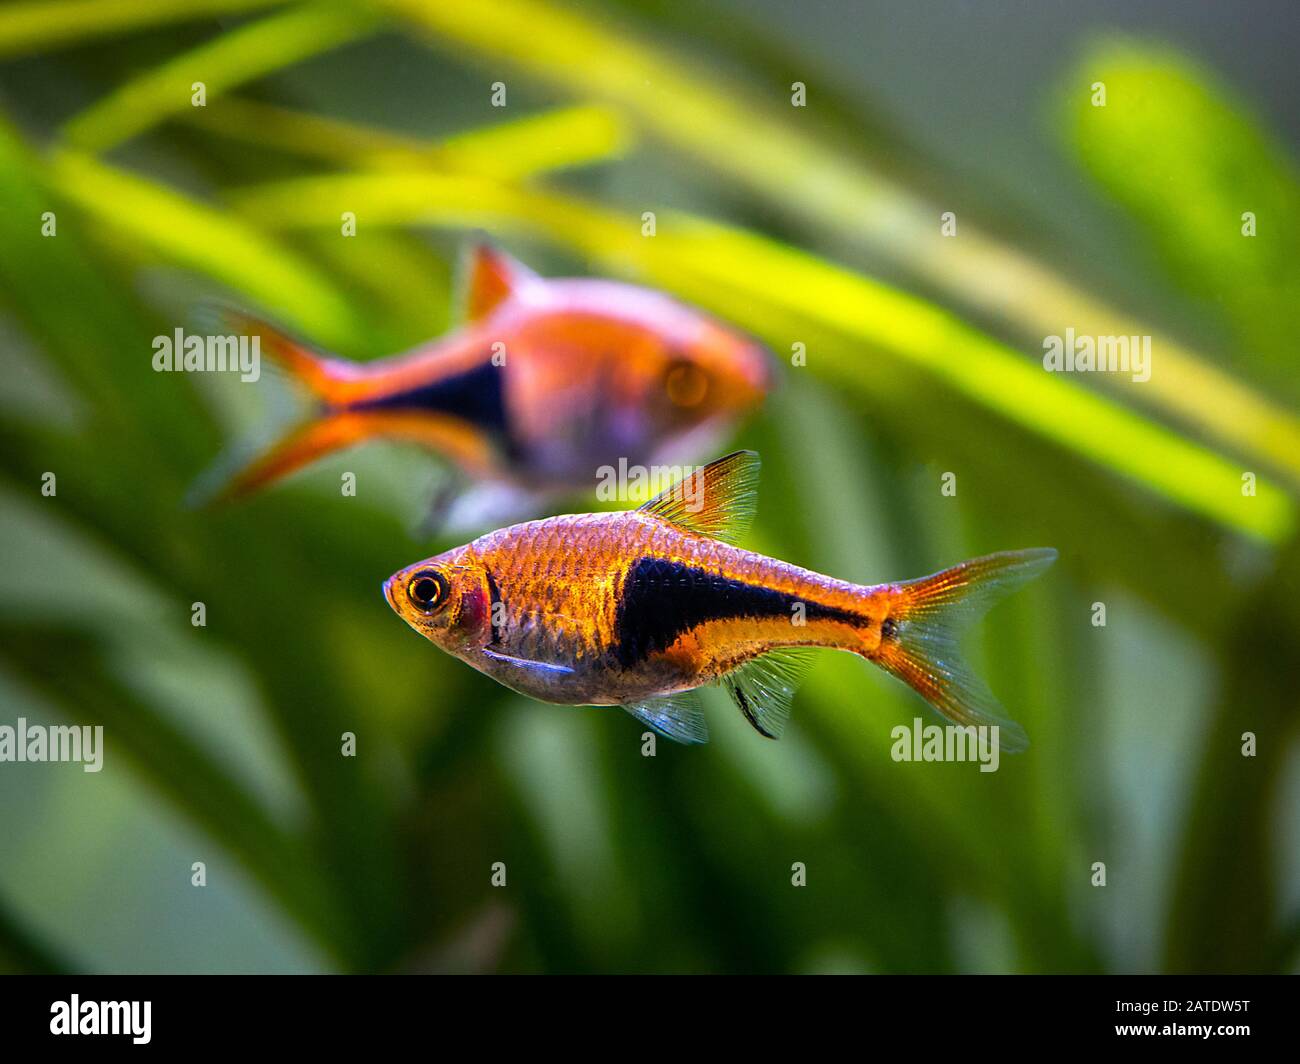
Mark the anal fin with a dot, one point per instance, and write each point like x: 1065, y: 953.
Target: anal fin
x: 764, y: 688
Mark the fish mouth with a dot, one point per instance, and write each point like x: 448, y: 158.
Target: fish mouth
x: 390, y: 592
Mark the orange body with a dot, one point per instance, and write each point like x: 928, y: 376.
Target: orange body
x: 633, y: 607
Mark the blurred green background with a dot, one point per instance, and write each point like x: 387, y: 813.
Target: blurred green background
x: 815, y: 225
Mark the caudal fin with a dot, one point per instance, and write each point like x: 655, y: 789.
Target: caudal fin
x: 243, y: 470
x: 325, y: 378
x: 919, y: 640
x: 241, y: 473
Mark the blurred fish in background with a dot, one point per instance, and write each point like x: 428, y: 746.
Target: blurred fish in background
x: 547, y: 382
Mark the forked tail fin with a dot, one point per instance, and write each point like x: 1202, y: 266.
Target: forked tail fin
x: 242, y: 471
x: 919, y: 639
x: 322, y: 376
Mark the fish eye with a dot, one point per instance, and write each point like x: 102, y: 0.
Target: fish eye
x: 427, y: 590
x: 686, y: 383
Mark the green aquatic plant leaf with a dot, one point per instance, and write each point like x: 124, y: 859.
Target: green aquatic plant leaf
x: 1217, y: 195
x: 24, y: 952
x: 130, y: 494
x: 176, y: 765
x: 187, y: 233
x: 232, y: 59
x: 510, y: 150
x: 37, y: 25
x: 1235, y: 919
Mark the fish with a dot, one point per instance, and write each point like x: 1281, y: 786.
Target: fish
x: 642, y: 608
x: 547, y: 382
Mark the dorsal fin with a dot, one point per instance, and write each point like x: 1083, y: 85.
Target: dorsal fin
x: 717, y: 501
x: 490, y: 277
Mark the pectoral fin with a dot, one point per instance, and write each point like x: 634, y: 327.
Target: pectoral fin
x: 525, y: 664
